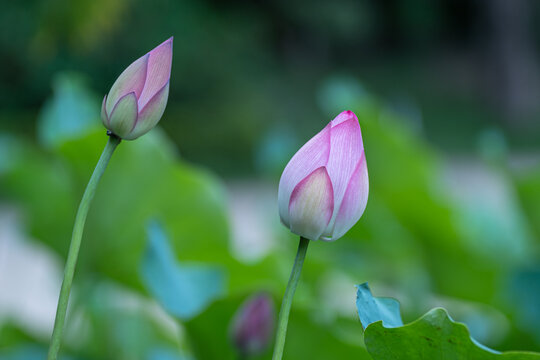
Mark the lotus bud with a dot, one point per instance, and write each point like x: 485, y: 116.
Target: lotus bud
x: 253, y: 325
x: 138, y: 97
x: 323, y: 190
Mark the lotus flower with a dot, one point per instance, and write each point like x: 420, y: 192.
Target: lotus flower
x: 138, y: 97
x: 323, y: 190
x: 253, y: 325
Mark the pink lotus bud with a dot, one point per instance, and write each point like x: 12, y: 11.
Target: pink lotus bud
x: 253, y: 325
x: 323, y: 190
x: 138, y: 97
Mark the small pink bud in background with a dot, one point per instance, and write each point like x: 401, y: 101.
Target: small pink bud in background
x: 253, y: 324
x: 138, y: 97
x: 324, y: 188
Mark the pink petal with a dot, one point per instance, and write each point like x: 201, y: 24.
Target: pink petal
x: 123, y: 115
x: 253, y: 324
x: 311, y: 156
x: 346, y: 148
x: 151, y: 114
x: 344, y: 116
x: 130, y: 81
x: 354, y: 202
x: 159, y: 71
x: 312, y: 205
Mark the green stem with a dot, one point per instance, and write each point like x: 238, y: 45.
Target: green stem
x: 75, y: 244
x: 287, y: 299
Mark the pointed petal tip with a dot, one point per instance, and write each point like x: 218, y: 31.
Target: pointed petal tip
x: 120, y: 100
x: 158, y: 71
x: 163, y: 51
x: 131, y: 93
x: 344, y: 116
x: 168, y: 42
x: 132, y: 79
x: 348, y: 113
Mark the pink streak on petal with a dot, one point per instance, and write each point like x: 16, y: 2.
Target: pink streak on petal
x: 346, y: 148
x: 344, y: 116
x: 311, y: 156
x: 355, y: 200
x: 312, y: 205
x: 132, y: 80
x: 159, y: 71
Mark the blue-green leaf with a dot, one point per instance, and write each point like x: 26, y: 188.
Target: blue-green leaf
x: 372, y: 309
x: 434, y: 336
x: 167, y: 354
x: 183, y: 290
x: 71, y: 113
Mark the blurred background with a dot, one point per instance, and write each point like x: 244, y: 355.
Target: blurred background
x: 447, y: 97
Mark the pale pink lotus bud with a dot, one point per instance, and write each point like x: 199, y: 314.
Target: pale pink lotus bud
x: 138, y: 97
x: 252, y: 327
x: 323, y: 190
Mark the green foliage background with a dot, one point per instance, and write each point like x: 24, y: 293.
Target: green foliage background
x: 250, y: 83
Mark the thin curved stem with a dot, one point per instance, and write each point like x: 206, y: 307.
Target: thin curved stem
x: 287, y: 299
x: 75, y: 244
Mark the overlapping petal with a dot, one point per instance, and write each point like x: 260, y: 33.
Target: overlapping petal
x: 104, y: 115
x: 354, y: 202
x: 130, y: 80
x: 339, y: 150
x: 346, y: 148
x: 123, y: 115
x: 158, y: 73
x: 146, y: 80
x: 311, y: 156
x: 311, y: 205
x: 150, y: 115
